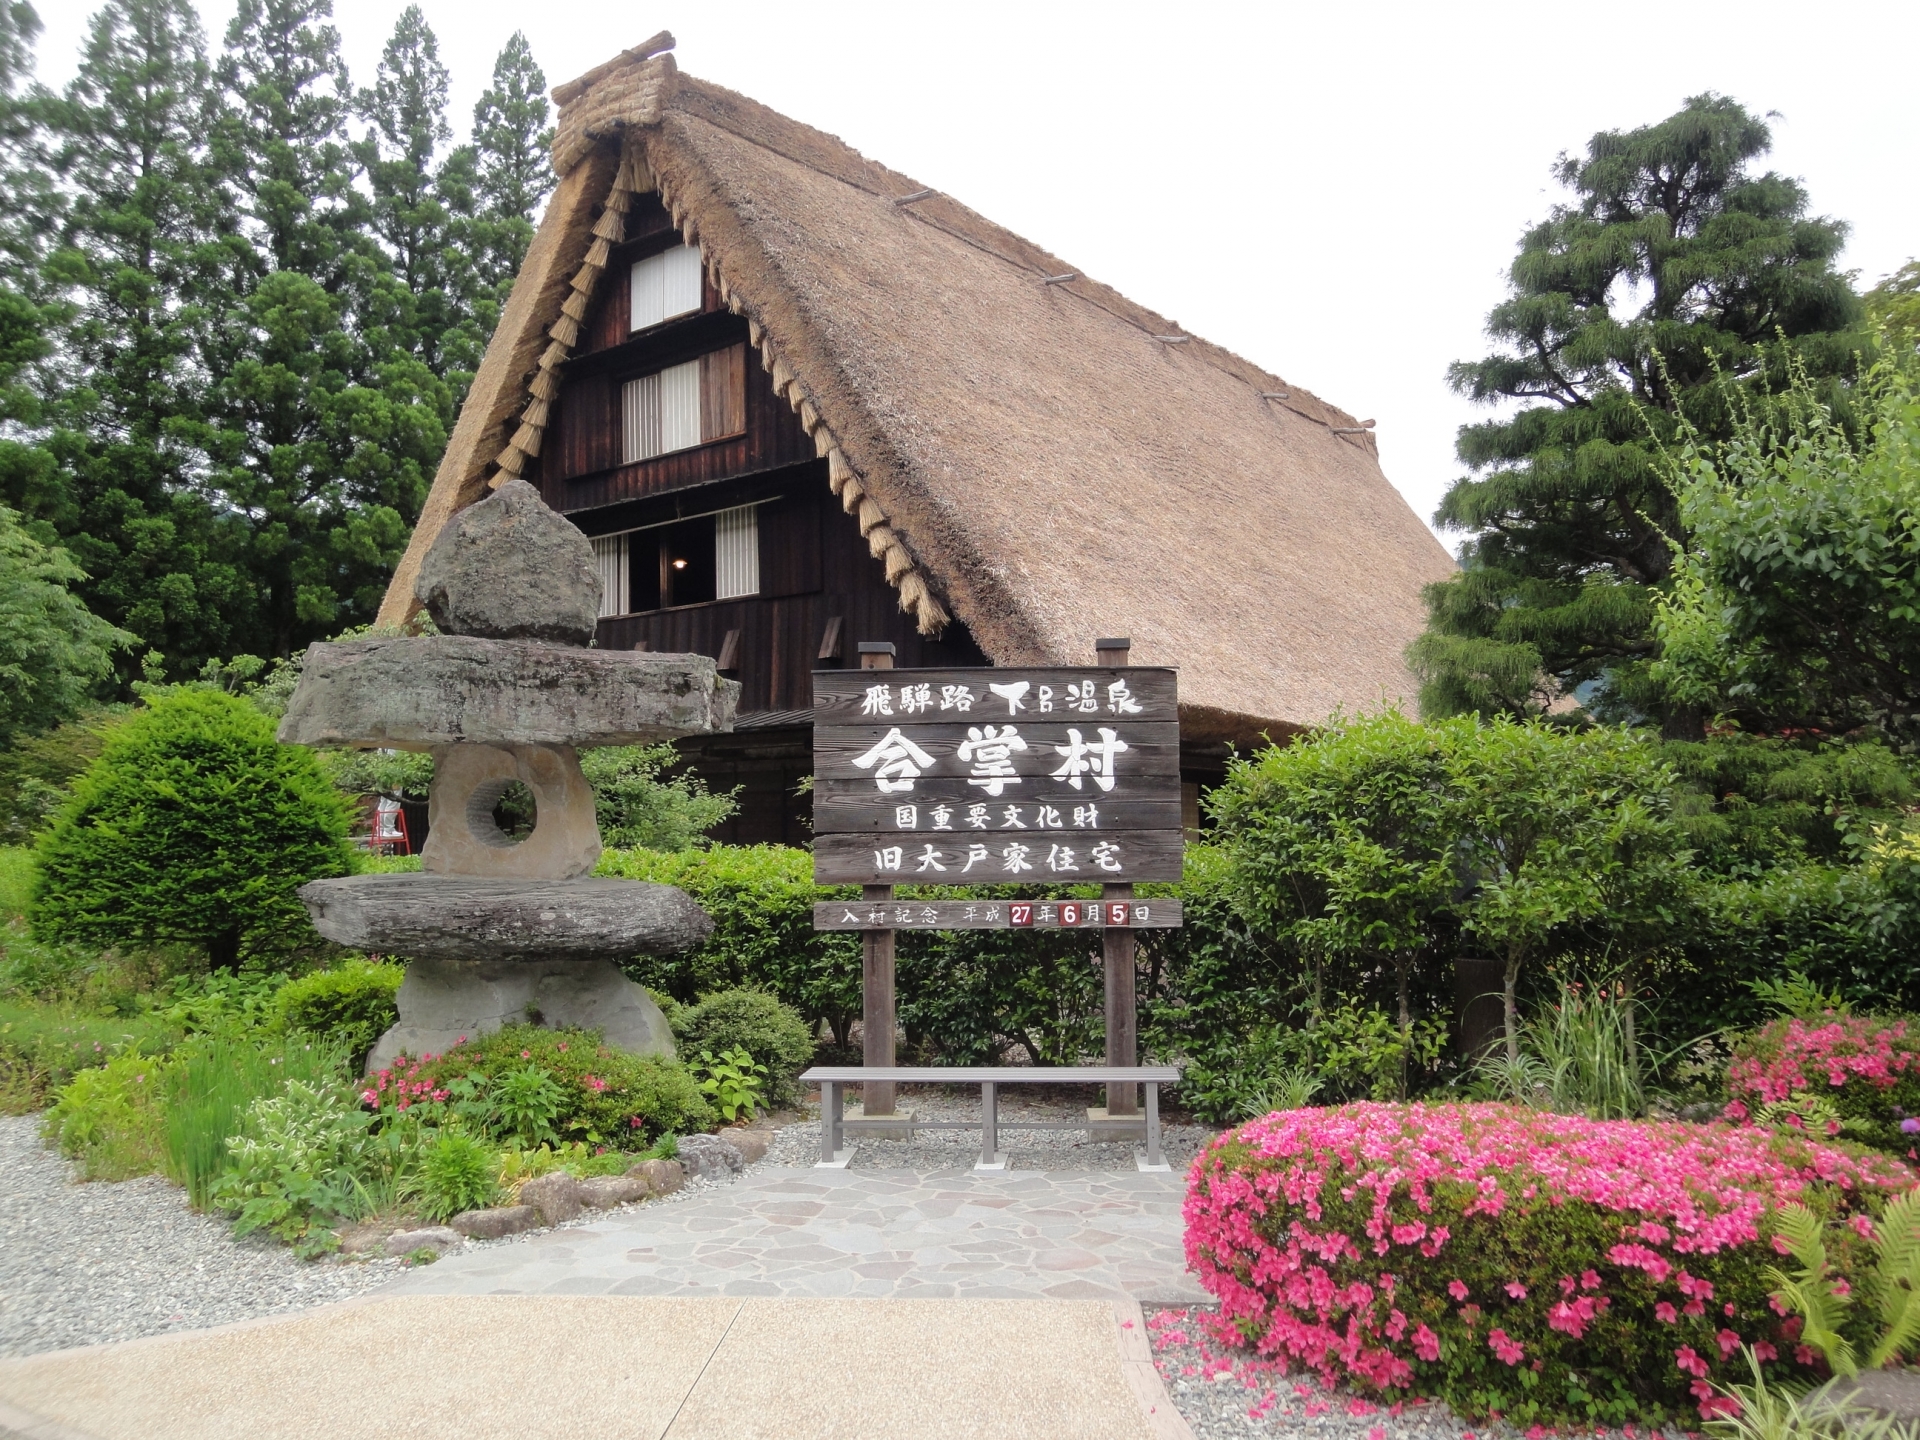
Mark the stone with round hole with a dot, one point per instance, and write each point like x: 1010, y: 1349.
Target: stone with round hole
x: 469, y: 781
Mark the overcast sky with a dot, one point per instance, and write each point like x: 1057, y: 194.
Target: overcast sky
x: 1334, y: 191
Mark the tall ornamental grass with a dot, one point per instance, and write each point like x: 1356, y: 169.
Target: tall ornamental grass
x: 214, y: 1080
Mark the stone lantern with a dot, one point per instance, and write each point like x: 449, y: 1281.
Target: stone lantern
x: 496, y: 930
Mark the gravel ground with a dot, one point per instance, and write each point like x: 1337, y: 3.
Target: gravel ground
x: 960, y: 1149
x: 1223, y: 1396
x: 87, y: 1264
x: 84, y: 1264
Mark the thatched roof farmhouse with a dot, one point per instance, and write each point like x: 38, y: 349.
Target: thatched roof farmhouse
x: 802, y: 401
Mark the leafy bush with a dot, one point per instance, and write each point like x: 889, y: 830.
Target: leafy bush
x: 295, y: 1166
x: 1864, y: 1071
x: 216, y: 1081
x: 1543, y: 1266
x: 753, y: 1021
x: 350, y: 1005
x: 455, y: 1172
x: 733, y: 1082
x: 606, y: 1097
x: 111, y: 1119
x: 636, y: 806
x: 194, y: 825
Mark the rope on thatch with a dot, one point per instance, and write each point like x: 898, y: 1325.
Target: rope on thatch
x: 544, y: 388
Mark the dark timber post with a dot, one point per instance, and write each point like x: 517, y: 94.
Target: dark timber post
x: 876, y: 958
x: 1116, y: 943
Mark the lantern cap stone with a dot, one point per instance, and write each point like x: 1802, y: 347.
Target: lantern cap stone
x: 509, y: 568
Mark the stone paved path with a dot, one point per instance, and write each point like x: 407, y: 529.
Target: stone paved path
x: 1074, y: 1235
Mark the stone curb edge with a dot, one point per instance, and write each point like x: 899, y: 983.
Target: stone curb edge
x: 1142, y: 1377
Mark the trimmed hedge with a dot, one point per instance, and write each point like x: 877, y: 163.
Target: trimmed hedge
x: 351, y: 1005
x: 1852, y: 1075
x: 753, y: 1021
x: 1545, y: 1267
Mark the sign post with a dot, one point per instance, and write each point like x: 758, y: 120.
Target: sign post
x: 876, y: 960
x: 1043, y: 775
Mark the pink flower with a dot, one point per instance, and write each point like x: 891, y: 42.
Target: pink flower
x: 1426, y: 1344
x: 1862, y: 1226
x: 1457, y: 1289
x: 1589, y: 1280
x: 1763, y: 1351
x: 1665, y: 1313
x: 1804, y: 1354
x: 1690, y: 1362
x: 1516, y: 1290
x: 1729, y: 1342
x: 1505, y: 1346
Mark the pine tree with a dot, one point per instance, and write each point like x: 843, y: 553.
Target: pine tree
x: 323, y: 429
x: 139, y: 250
x: 513, y: 172
x: 1675, y: 263
x: 29, y: 201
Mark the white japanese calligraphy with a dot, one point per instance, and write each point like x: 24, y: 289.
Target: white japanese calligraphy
x: 1080, y: 697
x: 1086, y: 817
x: 990, y: 752
x: 915, y: 698
x: 1047, y: 818
x: 900, y: 762
x: 1012, y: 820
x: 1120, y: 700
x: 906, y: 817
x: 956, y: 697
x: 1061, y: 858
x: 879, y: 701
x: 1011, y: 694
x: 1014, y: 859
x: 942, y: 817
x: 888, y: 859
x: 1094, y: 758
x: 976, y: 855
x: 977, y: 817
x: 930, y: 859
x: 1107, y: 855
x: 1046, y: 698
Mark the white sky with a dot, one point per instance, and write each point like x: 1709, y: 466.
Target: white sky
x: 1334, y: 191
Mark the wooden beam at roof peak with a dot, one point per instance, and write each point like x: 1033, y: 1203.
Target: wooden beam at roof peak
x: 572, y: 90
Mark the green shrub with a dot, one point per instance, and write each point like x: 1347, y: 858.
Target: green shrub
x: 217, y: 1079
x: 756, y: 1022
x: 351, y: 1005
x: 1547, y: 1267
x: 295, y: 1166
x: 734, y: 1082
x: 455, y: 1172
x: 111, y: 1120
x: 193, y: 825
x: 635, y: 806
x: 606, y: 1097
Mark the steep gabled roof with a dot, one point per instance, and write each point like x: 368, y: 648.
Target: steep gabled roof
x: 1039, y: 456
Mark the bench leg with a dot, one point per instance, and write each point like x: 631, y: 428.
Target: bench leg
x: 989, y: 1122
x: 829, y: 1121
x: 1153, y: 1124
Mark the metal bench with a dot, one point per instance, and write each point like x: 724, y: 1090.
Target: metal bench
x: 833, y: 1080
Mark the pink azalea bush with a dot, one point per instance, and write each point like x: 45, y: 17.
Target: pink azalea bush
x: 1866, y: 1068
x: 1544, y: 1267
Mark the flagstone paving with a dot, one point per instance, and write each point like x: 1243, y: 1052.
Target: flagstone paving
x: 1073, y: 1235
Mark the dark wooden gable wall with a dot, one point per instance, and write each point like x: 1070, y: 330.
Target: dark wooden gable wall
x: 815, y: 568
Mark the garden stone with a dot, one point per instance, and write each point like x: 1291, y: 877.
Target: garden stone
x: 1700, y: 1112
x: 603, y: 1192
x: 552, y: 593
x: 751, y: 1143
x: 443, y: 1002
x: 469, y: 780
x: 706, y: 1156
x: 416, y: 692
x: 437, y: 1238
x: 448, y: 917
x: 662, y: 1177
x: 556, y: 1197
x: 491, y: 1224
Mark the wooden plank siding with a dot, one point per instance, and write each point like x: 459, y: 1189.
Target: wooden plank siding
x: 813, y: 567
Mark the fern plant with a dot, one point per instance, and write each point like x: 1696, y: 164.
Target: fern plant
x: 1786, y: 1411
x: 1888, y: 1289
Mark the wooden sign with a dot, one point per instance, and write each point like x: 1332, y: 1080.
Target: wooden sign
x: 996, y: 914
x: 991, y: 776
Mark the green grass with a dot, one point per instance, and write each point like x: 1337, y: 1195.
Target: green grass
x: 43, y: 1046
x: 16, y: 882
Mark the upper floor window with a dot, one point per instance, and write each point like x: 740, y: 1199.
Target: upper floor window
x: 680, y: 562
x: 684, y: 405
x: 664, y: 286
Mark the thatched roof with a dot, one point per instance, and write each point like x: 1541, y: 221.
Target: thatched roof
x: 1049, y: 462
